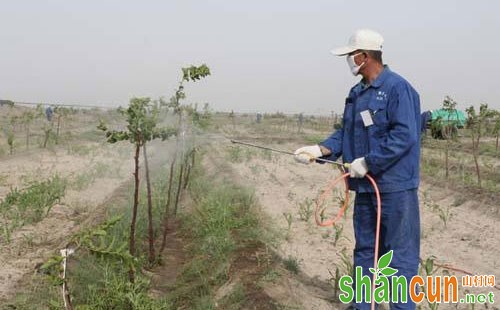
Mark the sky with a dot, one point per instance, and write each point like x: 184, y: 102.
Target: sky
x: 265, y: 56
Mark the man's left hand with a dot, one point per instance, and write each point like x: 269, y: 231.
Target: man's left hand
x: 358, y: 168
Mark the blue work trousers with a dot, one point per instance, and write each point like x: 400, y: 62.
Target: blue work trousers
x: 399, y: 231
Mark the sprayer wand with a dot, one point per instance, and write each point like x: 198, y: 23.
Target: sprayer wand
x: 288, y: 153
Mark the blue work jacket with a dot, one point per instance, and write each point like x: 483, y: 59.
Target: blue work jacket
x: 388, y: 138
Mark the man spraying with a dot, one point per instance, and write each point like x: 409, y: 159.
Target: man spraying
x: 380, y: 136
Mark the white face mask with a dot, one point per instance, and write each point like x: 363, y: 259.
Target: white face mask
x: 352, y: 65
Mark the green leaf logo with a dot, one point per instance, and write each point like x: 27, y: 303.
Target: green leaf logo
x: 388, y: 271
x: 384, y: 260
x: 383, y: 269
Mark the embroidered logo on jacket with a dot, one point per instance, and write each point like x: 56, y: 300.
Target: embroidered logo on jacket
x: 381, y: 95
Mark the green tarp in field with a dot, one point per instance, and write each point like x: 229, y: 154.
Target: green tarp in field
x: 457, y: 116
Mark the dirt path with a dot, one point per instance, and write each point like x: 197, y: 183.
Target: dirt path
x: 469, y: 241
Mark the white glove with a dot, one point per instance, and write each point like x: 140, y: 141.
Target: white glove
x: 307, y: 154
x: 358, y: 168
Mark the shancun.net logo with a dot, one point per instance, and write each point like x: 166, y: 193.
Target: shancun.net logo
x: 391, y: 288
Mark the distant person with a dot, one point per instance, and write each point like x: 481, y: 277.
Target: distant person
x: 259, y: 118
x: 380, y: 134
x: 425, y: 118
x: 49, y: 112
x: 301, y: 121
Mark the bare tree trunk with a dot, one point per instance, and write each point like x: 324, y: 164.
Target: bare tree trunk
x: 189, y: 166
x: 178, y: 194
x: 170, y: 183
x: 477, y: 169
x: 167, y: 206
x: 475, y: 154
x: 131, y: 272
x: 150, y: 208
x: 47, y: 135
x: 193, y: 161
x: 476, y: 159
x: 447, y: 151
x: 181, y: 147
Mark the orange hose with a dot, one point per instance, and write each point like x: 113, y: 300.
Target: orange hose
x: 327, y: 192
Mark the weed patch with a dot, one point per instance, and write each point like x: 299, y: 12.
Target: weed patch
x: 292, y: 264
x: 30, y: 205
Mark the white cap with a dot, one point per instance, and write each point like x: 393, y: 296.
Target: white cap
x: 363, y: 39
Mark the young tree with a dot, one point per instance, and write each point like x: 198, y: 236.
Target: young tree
x: 192, y: 74
x: 142, y: 127
x: 152, y: 112
x: 496, y: 130
x: 60, y: 112
x: 28, y: 117
x: 11, y: 133
x: 450, y: 128
x: 300, y: 122
x: 476, y: 122
x: 47, y: 130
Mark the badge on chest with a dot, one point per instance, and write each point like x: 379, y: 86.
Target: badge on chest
x: 366, y: 117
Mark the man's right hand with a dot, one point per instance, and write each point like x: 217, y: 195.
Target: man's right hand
x: 307, y: 154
